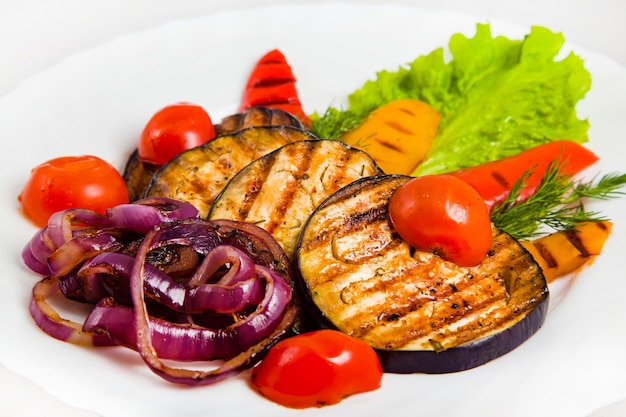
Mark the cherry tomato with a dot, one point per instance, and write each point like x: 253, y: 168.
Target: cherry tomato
x: 317, y: 368
x: 173, y: 129
x: 444, y: 215
x: 71, y: 182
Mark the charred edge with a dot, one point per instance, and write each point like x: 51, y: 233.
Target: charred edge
x: 546, y: 255
x: 230, y: 124
x: 257, y: 116
x: 281, y: 117
x: 267, y: 116
x: 500, y: 179
x: 573, y: 237
x: 273, y: 82
x: 356, y: 221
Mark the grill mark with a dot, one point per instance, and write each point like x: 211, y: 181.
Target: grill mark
x: 573, y: 237
x: 546, y: 255
x: 390, y: 145
x: 217, y: 163
x: 310, y: 170
x: 397, y: 126
x: 279, y: 117
x: 200, y: 174
x: 273, y: 82
x: 275, y: 102
x: 359, y: 220
x: 254, y: 186
x: 342, y: 227
x: 301, y: 153
x: 406, y: 111
x: 447, y: 312
x: 500, y: 179
x: 256, y: 116
x: 438, y: 289
x: 383, y: 314
x: 337, y: 172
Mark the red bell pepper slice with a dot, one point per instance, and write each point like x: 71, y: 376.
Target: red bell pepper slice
x: 494, y: 180
x: 272, y: 84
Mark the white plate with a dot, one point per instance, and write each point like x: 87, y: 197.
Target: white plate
x: 97, y: 102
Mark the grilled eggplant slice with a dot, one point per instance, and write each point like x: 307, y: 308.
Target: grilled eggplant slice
x: 137, y: 175
x: 256, y: 116
x: 420, y: 312
x: 279, y: 191
x: 198, y: 175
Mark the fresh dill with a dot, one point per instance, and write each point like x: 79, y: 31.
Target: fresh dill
x: 557, y: 203
x: 334, y: 123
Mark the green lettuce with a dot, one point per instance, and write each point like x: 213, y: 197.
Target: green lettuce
x: 497, y: 97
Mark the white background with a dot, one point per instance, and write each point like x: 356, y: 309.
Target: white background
x: 36, y: 34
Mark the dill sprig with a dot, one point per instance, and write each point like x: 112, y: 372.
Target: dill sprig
x: 558, y: 203
x: 334, y: 123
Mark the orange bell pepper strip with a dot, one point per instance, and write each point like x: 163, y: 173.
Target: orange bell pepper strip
x: 564, y: 252
x: 494, y: 180
x: 398, y: 134
x: 272, y: 84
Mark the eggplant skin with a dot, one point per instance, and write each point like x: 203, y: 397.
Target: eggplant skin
x: 199, y: 174
x: 254, y: 117
x: 279, y: 191
x: 137, y: 175
x: 420, y: 312
x: 469, y: 355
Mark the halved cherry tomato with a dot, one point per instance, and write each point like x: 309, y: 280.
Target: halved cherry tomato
x: 316, y: 369
x: 71, y: 182
x: 444, y: 215
x: 173, y: 129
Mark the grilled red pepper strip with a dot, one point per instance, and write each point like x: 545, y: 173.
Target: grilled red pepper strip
x: 272, y: 84
x: 494, y: 180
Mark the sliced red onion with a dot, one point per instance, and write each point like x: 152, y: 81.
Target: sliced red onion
x: 142, y: 215
x: 80, y: 226
x: 238, y: 272
x: 189, y: 342
x: 35, y: 253
x: 50, y: 322
x: 243, y: 334
x: 236, y: 290
x: 73, y: 252
x: 62, y: 224
x: 93, y: 274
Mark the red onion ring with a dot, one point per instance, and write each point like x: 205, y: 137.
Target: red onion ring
x: 241, y: 272
x: 255, y: 327
x: 86, y: 230
x: 50, y: 322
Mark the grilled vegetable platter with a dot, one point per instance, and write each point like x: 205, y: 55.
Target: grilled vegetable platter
x: 426, y: 226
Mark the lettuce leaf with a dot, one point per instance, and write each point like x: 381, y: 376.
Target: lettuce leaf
x: 497, y: 97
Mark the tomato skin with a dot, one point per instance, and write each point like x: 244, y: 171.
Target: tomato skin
x: 444, y: 215
x: 318, y: 368
x: 173, y: 129
x: 71, y: 182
